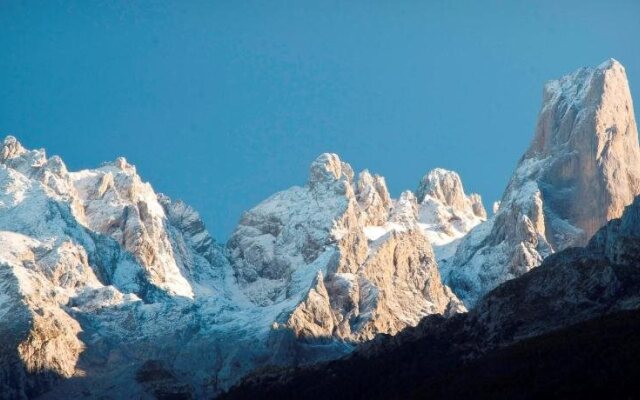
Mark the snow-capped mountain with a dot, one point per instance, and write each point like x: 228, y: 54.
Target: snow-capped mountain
x: 107, y: 212
x: 109, y: 283
x: 108, y: 288
x: 77, y: 244
x: 581, y: 169
x: 360, y: 265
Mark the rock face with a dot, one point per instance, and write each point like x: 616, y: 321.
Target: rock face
x: 310, y: 243
x: 581, y: 169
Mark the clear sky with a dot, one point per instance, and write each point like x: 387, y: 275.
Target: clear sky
x: 222, y: 103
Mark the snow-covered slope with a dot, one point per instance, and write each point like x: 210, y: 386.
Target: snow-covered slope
x: 581, y: 169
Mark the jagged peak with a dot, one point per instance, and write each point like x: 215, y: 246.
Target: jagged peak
x: 365, y: 176
x: 122, y: 164
x: 372, y: 182
x: 188, y: 213
x: 365, y: 182
x: 597, y: 96
x: 32, y: 163
x: 11, y: 147
x: 610, y: 64
x: 56, y: 165
x: 444, y: 185
x: 576, y: 86
x: 581, y: 169
x: 405, y: 211
x: 327, y: 168
x: 373, y: 197
x: 11, y: 140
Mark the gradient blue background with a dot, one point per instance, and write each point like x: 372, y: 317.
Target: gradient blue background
x: 223, y: 103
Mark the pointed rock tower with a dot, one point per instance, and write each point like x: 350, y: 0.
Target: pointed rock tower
x: 581, y: 169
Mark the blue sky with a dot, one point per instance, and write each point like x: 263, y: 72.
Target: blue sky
x: 222, y: 103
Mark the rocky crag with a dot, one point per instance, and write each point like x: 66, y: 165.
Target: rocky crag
x: 581, y: 169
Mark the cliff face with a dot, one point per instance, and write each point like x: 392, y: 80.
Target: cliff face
x: 580, y: 171
x: 587, y: 132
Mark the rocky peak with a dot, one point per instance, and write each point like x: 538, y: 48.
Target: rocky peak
x: 116, y: 202
x: 373, y: 198
x: 588, y: 131
x: 444, y: 186
x: 292, y: 228
x: 328, y: 168
x: 15, y: 156
x: 405, y: 211
x: 11, y: 148
x: 34, y: 164
x: 580, y: 171
x: 57, y: 166
x: 446, y: 213
x: 122, y: 164
x: 170, y: 247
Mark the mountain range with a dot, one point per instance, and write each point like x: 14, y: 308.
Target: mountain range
x: 566, y: 329
x: 111, y: 290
